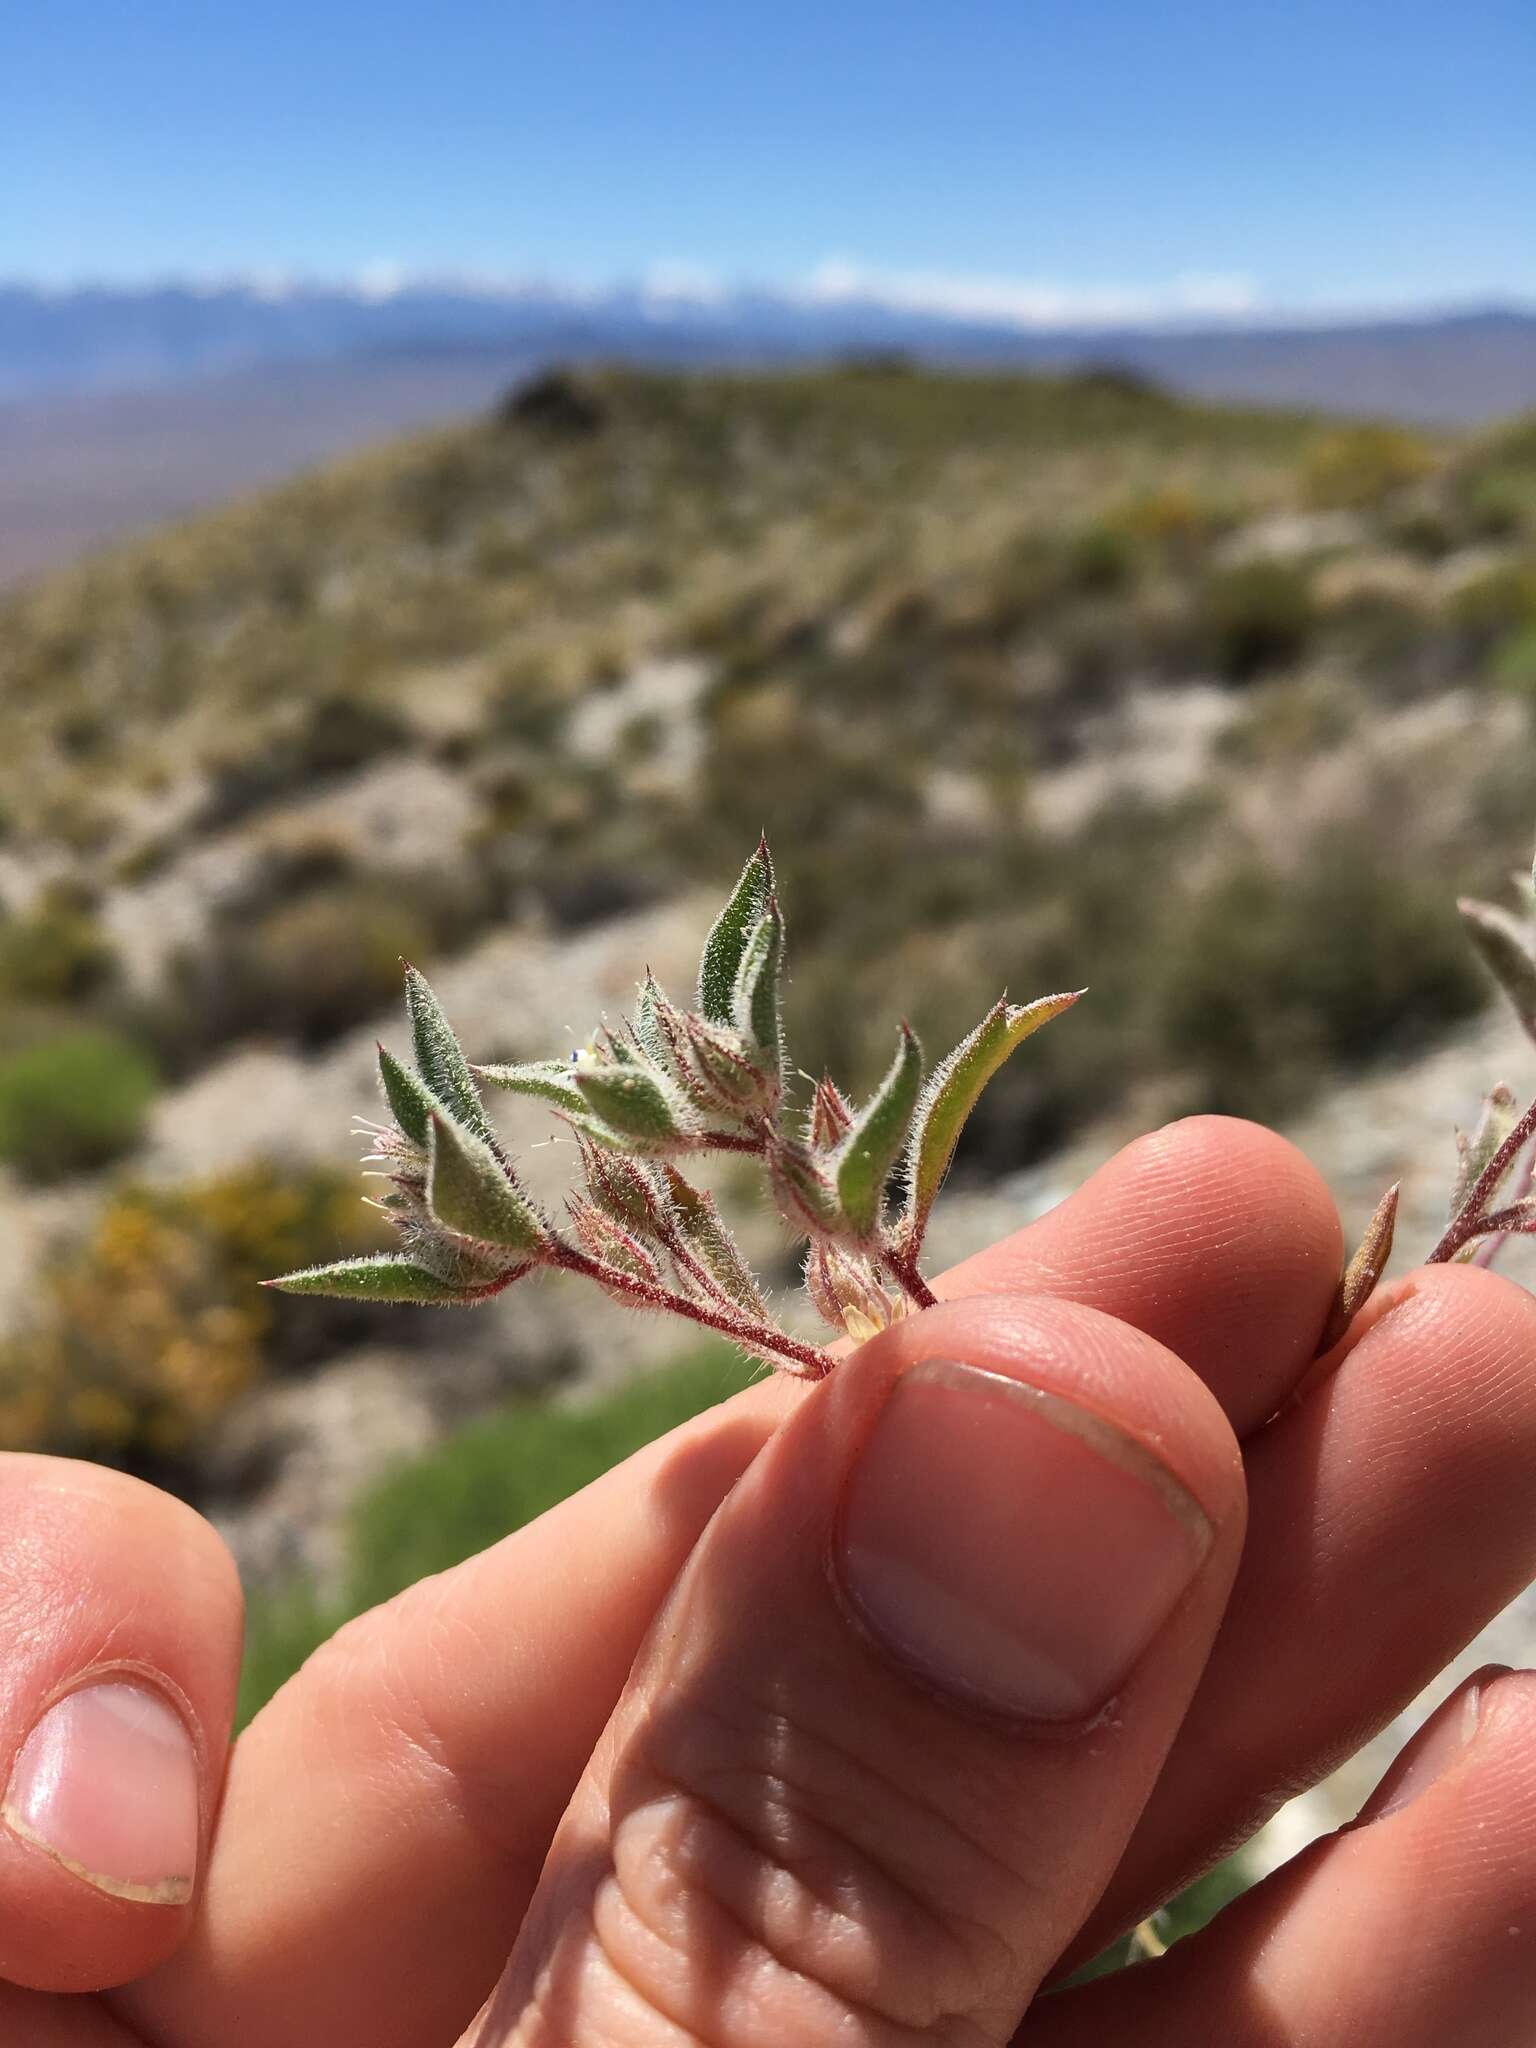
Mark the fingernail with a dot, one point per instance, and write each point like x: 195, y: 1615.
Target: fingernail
x: 1430, y: 1755
x: 1011, y: 1547
x: 107, y: 1784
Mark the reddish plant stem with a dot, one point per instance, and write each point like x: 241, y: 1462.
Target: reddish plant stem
x: 1503, y: 1222
x: 500, y: 1284
x: 684, y: 1258
x: 1471, y: 1220
x: 805, y: 1360
x: 902, y: 1267
x: 1517, y: 1190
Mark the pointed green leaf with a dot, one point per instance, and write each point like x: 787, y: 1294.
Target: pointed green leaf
x: 389, y: 1276
x: 607, y: 1239
x: 632, y: 1102
x: 550, y: 1080
x: 627, y: 1189
x: 1504, y: 945
x: 702, y: 1228
x: 953, y: 1092
x: 472, y: 1194
x: 722, y: 1076
x: 863, y: 1161
x: 411, y: 1103
x: 652, y: 1033
x: 728, y: 936
x: 830, y: 1116
x: 440, y: 1058
x: 802, y: 1188
x: 755, y: 1000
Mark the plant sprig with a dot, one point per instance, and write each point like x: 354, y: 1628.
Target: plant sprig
x: 672, y: 1083
x: 669, y: 1084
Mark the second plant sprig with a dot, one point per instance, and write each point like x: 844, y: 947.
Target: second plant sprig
x: 1491, y: 1194
x: 669, y: 1084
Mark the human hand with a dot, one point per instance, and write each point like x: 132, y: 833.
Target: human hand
x: 971, y: 1668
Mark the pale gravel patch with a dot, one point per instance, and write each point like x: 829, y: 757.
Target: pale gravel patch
x: 1156, y: 748
x: 401, y: 814
x: 661, y: 694
x: 519, y: 994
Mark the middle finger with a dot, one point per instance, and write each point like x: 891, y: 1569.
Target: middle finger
x: 1390, y: 1518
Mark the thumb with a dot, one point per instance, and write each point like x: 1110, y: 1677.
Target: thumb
x: 890, y: 1731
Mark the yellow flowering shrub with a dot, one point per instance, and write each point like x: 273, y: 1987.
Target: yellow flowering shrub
x: 142, y: 1332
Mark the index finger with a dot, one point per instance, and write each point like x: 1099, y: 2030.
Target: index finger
x: 440, y: 1738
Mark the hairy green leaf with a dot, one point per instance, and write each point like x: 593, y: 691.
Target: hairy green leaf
x: 702, y: 1228
x: 440, y: 1058
x: 629, y: 1190
x: 388, y: 1276
x: 722, y: 1077
x: 863, y: 1160
x: 755, y: 1000
x: 607, y: 1239
x: 1504, y: 946
x: 953, y: 1092
x: 632, y: 1102
x: 550, y: 1080
x: 660, y: 1028
x: 472, y: 1194
x: 728, y: 935
x: 410, y: 1101
x: 802, y: 1188
x: 653, y: 1039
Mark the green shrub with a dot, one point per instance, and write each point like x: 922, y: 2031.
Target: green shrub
x: 306, y: 969
x: 1355, y: 468
x: 483, y: 1483
x: 507, y: 1470
x: 73, y: 1102
x: 1254, y: 618
x: 335, y: 734
x: 1104, y: 559
x: 56, y: 953
x: 1494, y: 486
x: 1172, y: 522
x: 1515, y: 667
x: 1496, y: 602
x: 1272, y: 979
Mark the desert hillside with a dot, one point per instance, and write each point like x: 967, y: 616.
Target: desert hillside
x: 1031, y: 682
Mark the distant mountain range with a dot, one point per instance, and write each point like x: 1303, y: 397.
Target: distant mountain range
x: 120, y: 409
x: 1455, y: 367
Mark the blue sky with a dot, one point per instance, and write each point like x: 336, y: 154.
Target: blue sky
x: 1043, y: 153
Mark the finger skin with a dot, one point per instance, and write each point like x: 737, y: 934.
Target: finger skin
x: 1417, y: 1929
x: 36, y: 2019
x: 1391, y: 1516
x: 103, y: 1578
x: 445, y: 1768
x: 785, y: 1834
x: 1214, y: 1236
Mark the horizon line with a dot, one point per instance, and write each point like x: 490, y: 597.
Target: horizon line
x: 1191, y: 302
